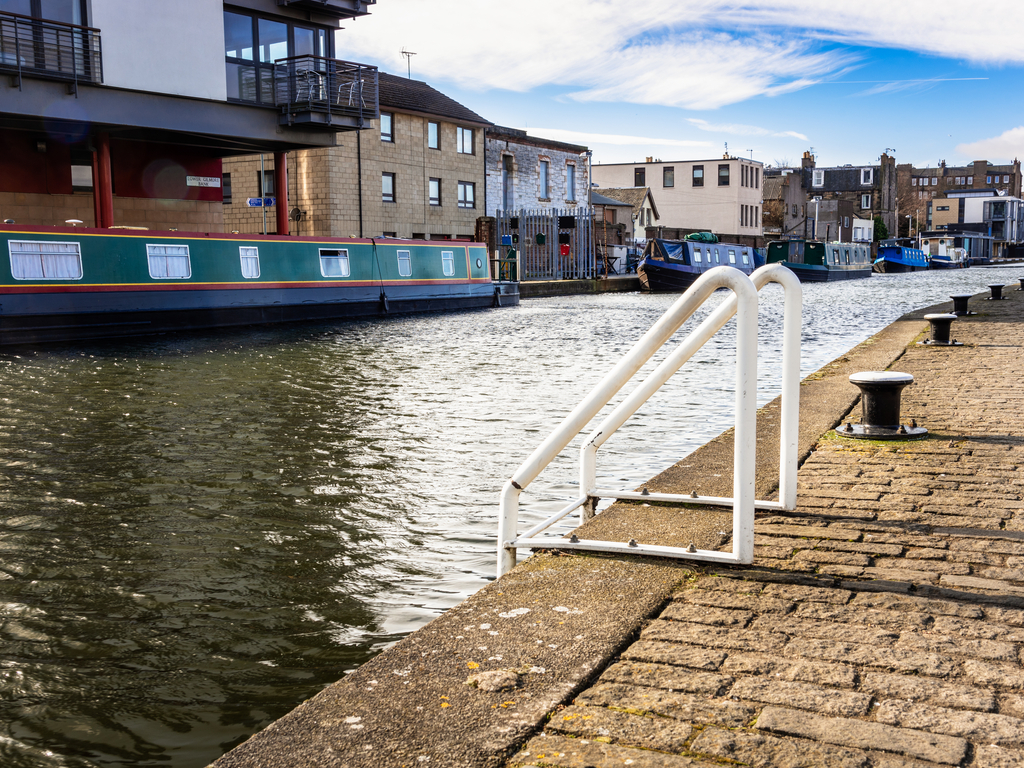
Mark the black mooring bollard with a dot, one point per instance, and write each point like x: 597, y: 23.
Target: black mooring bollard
x: 940, y: 331
x: 997, y: 292
x: 880, y: 408
x: 960, y: 304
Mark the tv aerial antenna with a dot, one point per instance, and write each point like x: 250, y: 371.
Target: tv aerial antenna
x: 408, y: 62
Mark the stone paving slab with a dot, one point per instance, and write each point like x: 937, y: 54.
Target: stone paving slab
x: 882, y: 623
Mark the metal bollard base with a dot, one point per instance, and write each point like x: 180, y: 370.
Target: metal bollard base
x: 873, y: 432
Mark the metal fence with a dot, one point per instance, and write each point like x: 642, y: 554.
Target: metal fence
x: 49, y: 49
x: 544, y: 260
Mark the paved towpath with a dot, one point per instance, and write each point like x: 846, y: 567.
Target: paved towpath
x: 883, y: 622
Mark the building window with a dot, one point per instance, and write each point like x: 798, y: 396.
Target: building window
x: 252, y: 45
x: 757, y: 178
x: 387, y: 183
x: 818, y: 178
x: 698, y: 175
x: 250, y: 257
x: 405, y: 263
x: 226, y: 188
x: 169, y: 262
x: 639, y: 177
x: 913, y: 181
x: 723, y: 175
x: 570, y: 182
x: 865, y: 201
x: 1006, y: 179
x: 668, y: 176
x: 464, y: 141
x: 387, y: 127
x: 935, y: 180
x: 433, y: 138
x: 467, y: 194
x: 448, y: 263
x: 265, y: 183
x: 743, y: 214
x: 35, y: 260
x: 435, y: 191
x: 545, y: 188
x: 867, y: 175
x: 334, y: 262
x: 970, y: 180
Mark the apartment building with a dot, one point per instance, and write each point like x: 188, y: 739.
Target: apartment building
x: 720, y: 195
x: 119, y: 113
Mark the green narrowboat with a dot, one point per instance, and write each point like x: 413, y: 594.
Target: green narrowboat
x: 68, y: 283
x: 815, y: 262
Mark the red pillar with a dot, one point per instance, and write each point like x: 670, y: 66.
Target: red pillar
x: 102, y: 184
x: 281, y: 184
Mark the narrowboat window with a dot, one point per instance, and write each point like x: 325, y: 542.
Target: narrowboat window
x: 169, y: 262
x: 32, y: 260
x: 250, y: 256
x: 732, y: 256
x: 696, y: 255
x: 334, y: 262
x: 448, y: 263
x: 846, y: 253
x: 405, y: 263
x: 746, y: 257
x: 718, y: 260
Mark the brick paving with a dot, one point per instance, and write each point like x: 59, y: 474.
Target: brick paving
x: 882, y: 623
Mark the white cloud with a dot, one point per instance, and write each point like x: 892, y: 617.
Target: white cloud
x: 698, y: 54
x: 738, y: 129
x: 616, y: 139
x: 999, y: 149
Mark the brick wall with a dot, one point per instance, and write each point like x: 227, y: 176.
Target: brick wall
x: 324, y: 184
x: 53, y: 210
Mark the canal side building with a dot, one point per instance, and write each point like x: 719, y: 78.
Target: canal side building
x: 119, y: 113
x: 533, y: 173
x: 415, y: 172
x: 719, y: 195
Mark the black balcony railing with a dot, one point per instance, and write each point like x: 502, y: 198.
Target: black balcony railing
x: 316, y: 90
x: 49, y: 50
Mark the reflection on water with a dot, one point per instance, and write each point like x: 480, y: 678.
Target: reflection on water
x: 199, y: 532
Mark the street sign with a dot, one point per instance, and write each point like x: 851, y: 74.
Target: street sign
x: 260, y: 202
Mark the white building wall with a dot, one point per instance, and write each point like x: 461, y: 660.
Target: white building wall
x: 167, y: 47
x: 710, y: 207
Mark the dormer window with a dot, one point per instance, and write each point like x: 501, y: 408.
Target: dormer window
x: 867, y: 175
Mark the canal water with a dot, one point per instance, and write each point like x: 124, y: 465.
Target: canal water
x: 199, y: 532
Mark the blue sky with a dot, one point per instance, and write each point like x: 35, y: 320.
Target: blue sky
x: 677, y: 79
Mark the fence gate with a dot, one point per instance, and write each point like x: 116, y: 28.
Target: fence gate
x: 539, y: 237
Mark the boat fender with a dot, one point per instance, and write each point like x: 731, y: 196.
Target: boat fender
x: 383, y: 302
x: 497, y: 297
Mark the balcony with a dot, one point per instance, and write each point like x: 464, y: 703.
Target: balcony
x: 341, y: 9
x: 314, y: 91
x: 49, y: 50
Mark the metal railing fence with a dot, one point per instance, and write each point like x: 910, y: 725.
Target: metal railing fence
x: 327, y: 86
x: 544, y: 260
x: 49, y: 50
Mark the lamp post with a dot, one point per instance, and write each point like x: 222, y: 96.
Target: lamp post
x: 908, y: 225
x: 590, y: 215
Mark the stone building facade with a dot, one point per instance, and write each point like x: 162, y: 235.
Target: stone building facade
x: 870, y: 188
x: 527, y: 172
x: 417, y: 172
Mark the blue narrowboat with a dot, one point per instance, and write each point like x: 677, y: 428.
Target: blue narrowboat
x: 671, y: 266
x: 898, y: 255
x: 67, y: 283
x: 814, y: 262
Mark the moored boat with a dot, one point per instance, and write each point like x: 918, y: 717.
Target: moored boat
x: 671, y: 266
x: 815, y: 262
x: 72, y: 283
x: 897, y: 255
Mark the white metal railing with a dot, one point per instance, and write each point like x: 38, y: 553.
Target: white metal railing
x: 744, y: 303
